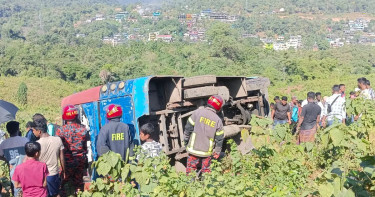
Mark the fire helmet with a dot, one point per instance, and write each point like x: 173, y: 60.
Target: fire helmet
x: 70, y: 112
x: 113, y: 111
x: 216, y: 102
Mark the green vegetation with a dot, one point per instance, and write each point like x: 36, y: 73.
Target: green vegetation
x: 5, y: 178
x: 22, y: 94
x: 290, y: 6
x: 44, y: 96
x: 43, y: 59
x: 224, y: 55
x: 39, y: 43
x: 339, y: 163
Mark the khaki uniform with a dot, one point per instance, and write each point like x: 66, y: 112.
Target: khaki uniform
x: 203, y: 135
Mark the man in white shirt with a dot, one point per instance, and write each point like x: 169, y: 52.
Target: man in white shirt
x: 334, y: 110
x: 370, y: 90
x: 318, y: 96
x: 52, y: 154
x: 362, y: 85
x: 365, y: 91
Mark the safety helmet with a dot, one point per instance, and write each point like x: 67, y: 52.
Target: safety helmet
x: 70, y: 112
x: 113, y: 111
x: 216, y: 102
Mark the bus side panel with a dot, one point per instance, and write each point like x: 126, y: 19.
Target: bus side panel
x: 140, y: 99
x: 91, y: 112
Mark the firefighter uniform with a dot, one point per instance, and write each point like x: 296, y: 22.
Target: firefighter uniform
x: 115, y: 136
x: 74, y: 137
x: 204, y: 137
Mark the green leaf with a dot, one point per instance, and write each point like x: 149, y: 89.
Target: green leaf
x: 361, y: 145
x: 163, y: 179
x: 211, y: 191
x: 337, y: 136
x: 249, y: 193
x: 326, y: 190
x: 113, y: 160
x: 200, y: 192
x: 103, y: 169
x: 220, y: 178
x: 114, y: 174
x: 98, y: 194
x: 336, y: 185
x: 125, y: 172
x: 346, y: 193
x: 325, y: 140
x: 309, y: 146
x: 117, y: 187
x: 100, y: 184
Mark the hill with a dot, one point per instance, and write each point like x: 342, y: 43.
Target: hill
x: 44, y: 96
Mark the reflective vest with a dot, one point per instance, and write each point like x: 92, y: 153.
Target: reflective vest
x: 208, y: 129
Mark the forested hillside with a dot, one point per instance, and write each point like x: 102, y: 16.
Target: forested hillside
x: 73, y: 41
x: 52, y: 49
x: 225, y: 55
x: 291, y: 6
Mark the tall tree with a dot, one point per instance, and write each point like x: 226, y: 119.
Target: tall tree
x: 22, y: 94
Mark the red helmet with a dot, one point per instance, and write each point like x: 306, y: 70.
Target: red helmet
x: 70, y: 112
x: 216, y: 102
x: 114, y: 111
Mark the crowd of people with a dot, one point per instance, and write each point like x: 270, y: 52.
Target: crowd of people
x: 307, y: 116
x: 51, y: 159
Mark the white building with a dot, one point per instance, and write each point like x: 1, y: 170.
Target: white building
x: 295, y: 41
x: 280, y: 46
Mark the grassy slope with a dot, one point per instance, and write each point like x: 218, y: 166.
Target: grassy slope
x: 324, y: 86
x: 44, y: 96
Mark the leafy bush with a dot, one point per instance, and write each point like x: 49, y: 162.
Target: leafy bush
x: 4, y: 177
x: 339, y: 163
x: 22, y: 94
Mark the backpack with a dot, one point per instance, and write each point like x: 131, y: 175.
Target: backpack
x: 329, y: 106
x: 51, y: 129
x: 295, y: 114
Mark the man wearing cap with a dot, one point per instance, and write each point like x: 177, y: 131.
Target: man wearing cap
x: 115, y: 135
x: 204, y: 135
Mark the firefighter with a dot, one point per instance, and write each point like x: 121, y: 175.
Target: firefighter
x: 204, y: 135
x: 74, y: 137
x: 115, y: 135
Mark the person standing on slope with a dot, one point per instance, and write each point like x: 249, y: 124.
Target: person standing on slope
x: 204, y: 135
x: 74, y: 137
x: 309, y: 121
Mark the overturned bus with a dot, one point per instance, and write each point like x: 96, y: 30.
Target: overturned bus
x: 168, y: 101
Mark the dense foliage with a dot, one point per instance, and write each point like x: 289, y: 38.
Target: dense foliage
x: 22, y: 94
x: 290, y: 6
x: 339, y: 163
x: 39, y: 40
x: 226, y: 55
x: 43, y: 96
x: 4, y: 177
x: 40, y: 48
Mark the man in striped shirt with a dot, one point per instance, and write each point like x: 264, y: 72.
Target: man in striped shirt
x: 337, y: 105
